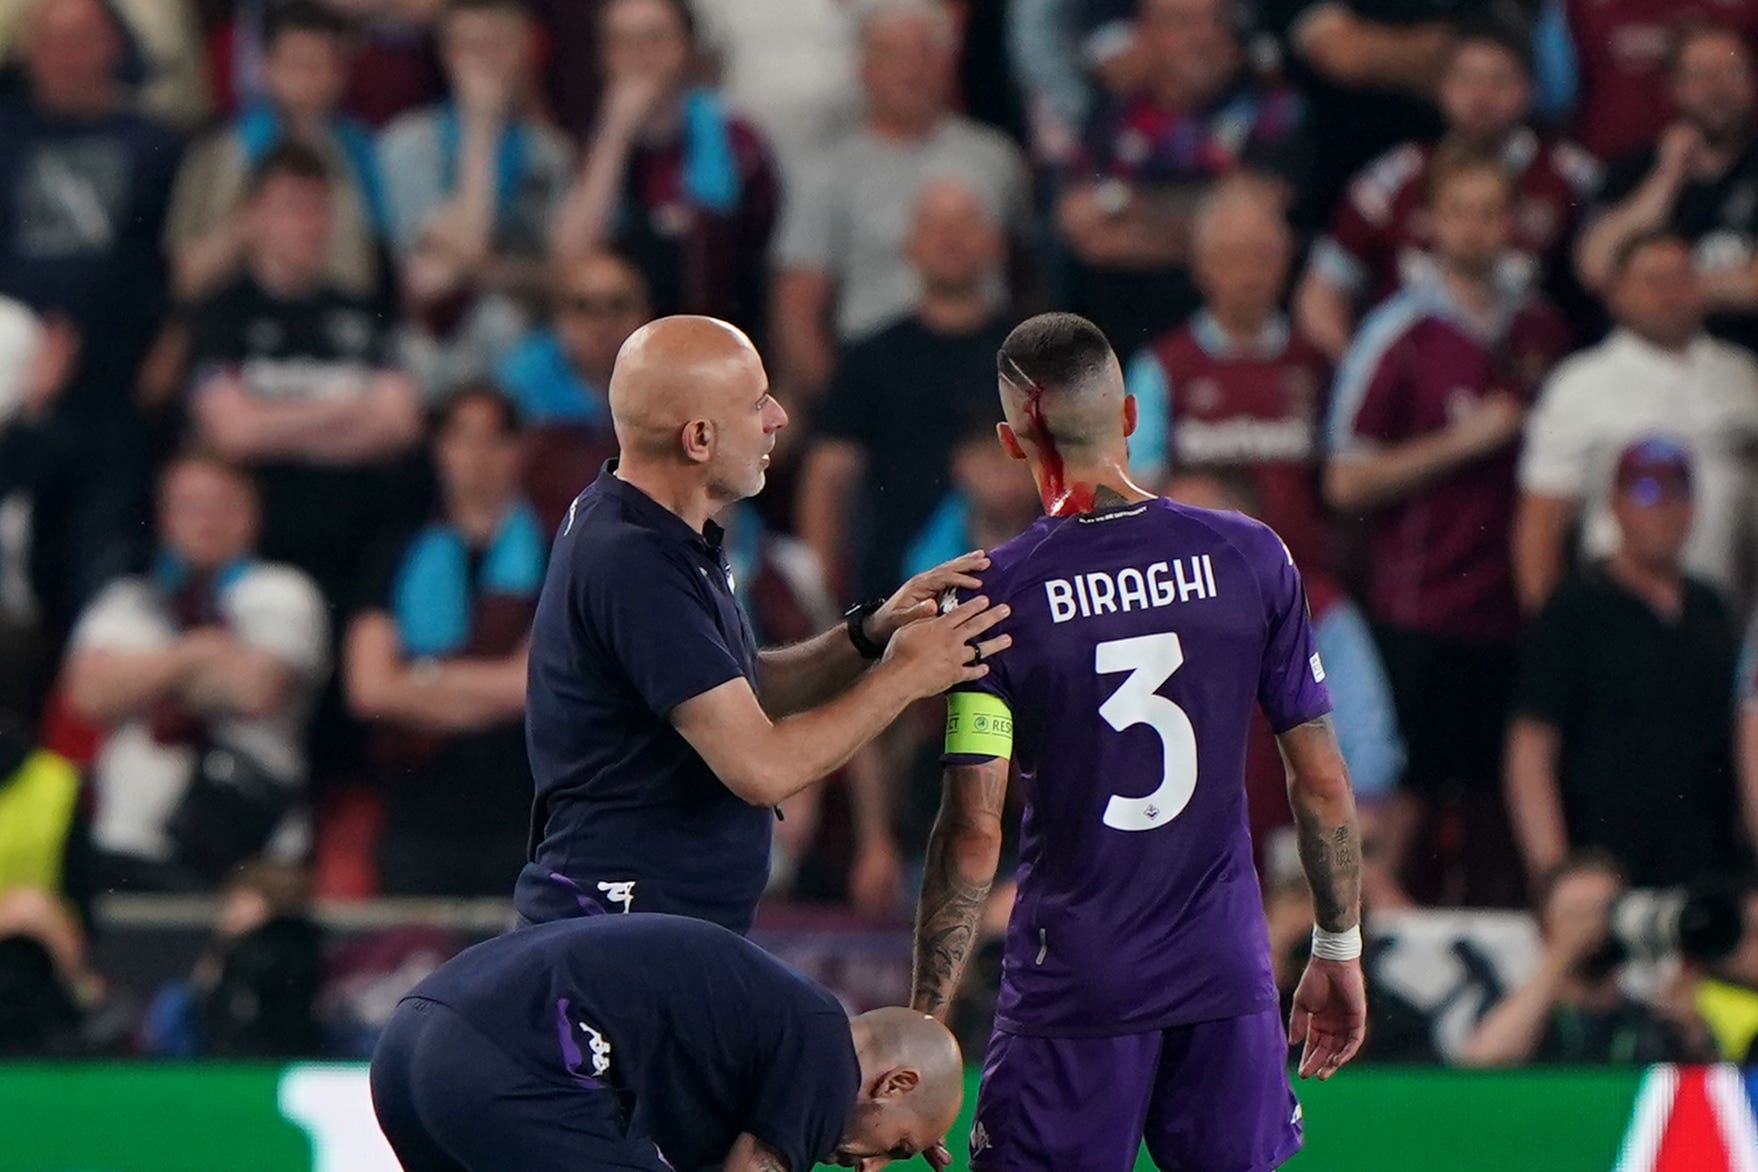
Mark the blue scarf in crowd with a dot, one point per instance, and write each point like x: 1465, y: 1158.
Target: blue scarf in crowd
x: 512, y: 158
x: 260, y: 131
x: 711, y: 169
x: 431, y: 598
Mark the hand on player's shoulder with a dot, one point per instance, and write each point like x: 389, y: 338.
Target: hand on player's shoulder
x: 939, y: 653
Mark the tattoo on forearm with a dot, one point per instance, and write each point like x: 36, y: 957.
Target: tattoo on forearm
x: 1330, y: 853
x: 946, y: 931
x: 950, y: 907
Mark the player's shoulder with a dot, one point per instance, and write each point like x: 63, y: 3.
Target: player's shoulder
x: 1254, y: 541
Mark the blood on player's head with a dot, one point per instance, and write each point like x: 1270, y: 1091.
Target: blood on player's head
x: 1059, y: 374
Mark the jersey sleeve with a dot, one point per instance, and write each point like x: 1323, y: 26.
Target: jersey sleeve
x: 809, y: 1086
x: 1366, y: 401
x: 647, y: 610
x: 1291, y: 680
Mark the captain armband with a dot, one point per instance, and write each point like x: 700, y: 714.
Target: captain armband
x: 979, y: 724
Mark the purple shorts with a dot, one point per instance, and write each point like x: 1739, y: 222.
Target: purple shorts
x: 1211, y: 1097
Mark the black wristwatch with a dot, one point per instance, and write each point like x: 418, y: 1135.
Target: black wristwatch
x: 853, y: 618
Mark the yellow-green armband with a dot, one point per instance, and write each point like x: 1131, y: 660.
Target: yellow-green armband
x: 980, y: 724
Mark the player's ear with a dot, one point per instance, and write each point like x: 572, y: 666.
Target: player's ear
x: 698, y: 438
x: 1131, y: 415
x: 894, y: 1084
x: 1009, y: 441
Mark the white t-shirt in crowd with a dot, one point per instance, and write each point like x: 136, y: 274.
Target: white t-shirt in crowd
x: 139, y: 781
x: 1605, y: 398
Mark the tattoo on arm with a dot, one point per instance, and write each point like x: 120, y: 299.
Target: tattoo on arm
x: 952, y: 900
x: 1324, y: 815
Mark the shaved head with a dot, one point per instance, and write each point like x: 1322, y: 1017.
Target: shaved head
x: 689, y: 396
x: 1058, y: 367
x: 912, y: 1084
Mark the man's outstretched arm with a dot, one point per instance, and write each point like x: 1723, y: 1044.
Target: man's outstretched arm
x: 963, y: 852
x: 1330, y: 1005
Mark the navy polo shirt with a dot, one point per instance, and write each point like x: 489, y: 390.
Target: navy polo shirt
x: 703, y: 1035
x: 637, y: 615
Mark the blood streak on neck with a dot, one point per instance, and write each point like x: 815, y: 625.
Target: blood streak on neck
x: 1061, y: 499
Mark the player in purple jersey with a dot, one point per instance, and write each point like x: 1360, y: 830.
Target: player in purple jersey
x: 1136, y: 997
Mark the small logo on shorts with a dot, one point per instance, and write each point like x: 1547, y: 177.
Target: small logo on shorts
x: 623, y: 893
x: 1318, y: 669
x: 600, y: 1050
x: 979, y: 1137
x: 1298, y: 1115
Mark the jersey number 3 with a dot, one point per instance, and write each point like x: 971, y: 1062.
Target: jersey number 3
x: 1150, y: 661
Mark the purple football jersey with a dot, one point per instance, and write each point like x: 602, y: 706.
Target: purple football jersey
x: 1142, y: 636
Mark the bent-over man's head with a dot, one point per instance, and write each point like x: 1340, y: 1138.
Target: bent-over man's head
x: 690, y: 402
x: 912, y: 1085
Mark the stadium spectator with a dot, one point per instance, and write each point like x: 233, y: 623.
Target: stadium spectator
x: 203, y: 675
x: 253, y: 992
x: 670, y: 178
x: 472, y: 186
x: 1644, y: 773
x: 395, y: 64
x: 571, y: 84
x: 887, y: 425
x: 559, y: 377
x: 1381, y: 227
x: 1148, y: 157
x: 82, y: 207
x: 36, y: 359
x: 1618, y: 55
x: 164, y: 65
x: 1365, y: 70
x: 1697, y: 180
x: 991, y: 500
x: 789, y: 65
x: 305, y: 64
x: 1572, y: 1010
x: 1658, y: 371
x: 1063, y: 51
x: 292, y: 378
x: 1425, y: 420
x: 842, y: 256
x: 1239, y: 386
x: 435, y: 663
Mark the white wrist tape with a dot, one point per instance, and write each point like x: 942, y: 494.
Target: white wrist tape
x: 1336, y: 945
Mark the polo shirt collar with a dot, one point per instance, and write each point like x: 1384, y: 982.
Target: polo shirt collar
x: 655, y: 516
x: 1271, y: 340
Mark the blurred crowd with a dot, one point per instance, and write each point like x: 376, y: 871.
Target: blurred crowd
x: 308, y: 310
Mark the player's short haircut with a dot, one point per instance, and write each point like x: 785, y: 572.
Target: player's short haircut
x: 681, y: 9
x: 1687, y: 32
x: 1627, y: 251
x: 1454, y: 159
x: 291, y: 159
x: 506, y: 412
x: 871, y: 12
x: 303, y: 16
x: 1496, y: 33
x: 1061, y: 352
